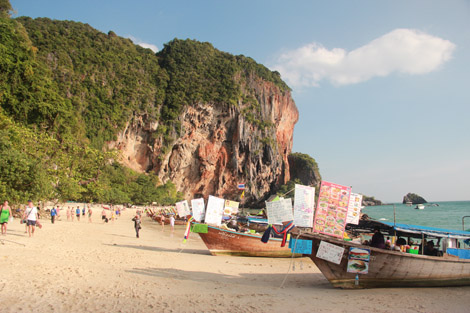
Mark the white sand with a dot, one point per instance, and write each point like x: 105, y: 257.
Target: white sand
x: 82, y: 267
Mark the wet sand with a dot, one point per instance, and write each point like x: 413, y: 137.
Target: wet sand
x: 82, y: 267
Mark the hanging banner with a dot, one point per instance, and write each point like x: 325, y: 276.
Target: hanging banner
x: 231, y: 207
x: 332, y: 209
x: 183, y: 208
x: 354, y: 208
x: 304, y: 205
x: 330, y: 252
x: 358, y: 261
x: 198, y: 209
x: 215, y: 211
x: 279, y: 211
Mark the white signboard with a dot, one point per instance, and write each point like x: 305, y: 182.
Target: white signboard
x: 183, y: 208
x: 279, y: 211
x: 330, y: 252
x: 215, y: 211
x: 354, y: 208
x: 304, y: 205
x: 198, y: 209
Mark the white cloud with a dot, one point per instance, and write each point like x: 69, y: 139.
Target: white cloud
x: 405, y: 51
x: 139, y: 42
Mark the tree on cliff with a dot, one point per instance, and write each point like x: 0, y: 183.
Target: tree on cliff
x: 5, y: 8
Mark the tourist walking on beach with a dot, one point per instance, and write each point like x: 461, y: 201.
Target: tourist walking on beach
x: 162, y: 220
x: 77, y: 213
x: 104, y: 217
x: 137, y: 226
x: 31, y: 216
x: 53, y: 215
x: 72, y: 214
x: 68, y: 213
x: 90, y: 212
x: 172, y: 222
x: 83, y: 210
x: 5, y: 216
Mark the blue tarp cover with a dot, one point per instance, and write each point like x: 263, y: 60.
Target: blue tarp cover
x: 433, y: 231
x: 461, y: 253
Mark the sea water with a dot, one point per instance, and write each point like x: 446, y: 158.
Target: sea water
x: 447, y: 215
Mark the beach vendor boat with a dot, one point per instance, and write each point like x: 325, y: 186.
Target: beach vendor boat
x: 387, y: 268
x: 420, y: 207
x: 222, y: 241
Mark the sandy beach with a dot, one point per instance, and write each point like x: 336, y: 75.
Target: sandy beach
x: 83, y: 267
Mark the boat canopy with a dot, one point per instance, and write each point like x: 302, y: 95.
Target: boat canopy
x: 408, y: 229
x: 430, y: 231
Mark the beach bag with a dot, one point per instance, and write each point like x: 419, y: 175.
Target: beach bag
x: 11, y: 219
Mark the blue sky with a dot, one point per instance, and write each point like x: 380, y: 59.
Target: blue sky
x: 381, y: 86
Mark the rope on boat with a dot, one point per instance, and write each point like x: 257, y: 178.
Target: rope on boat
x: 291, y: 259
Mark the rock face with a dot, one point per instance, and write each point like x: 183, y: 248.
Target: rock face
x: 304, y: 168
x: 413, y: 198
x: 370, y: 201
x: 220, y: 146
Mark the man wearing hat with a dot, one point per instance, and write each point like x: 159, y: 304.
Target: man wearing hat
x: 31, y: 217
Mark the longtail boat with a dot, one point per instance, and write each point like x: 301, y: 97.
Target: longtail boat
x: 389, y: 268
x: 221, y: 241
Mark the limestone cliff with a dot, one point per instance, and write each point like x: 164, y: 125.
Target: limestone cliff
x: 220, y: 146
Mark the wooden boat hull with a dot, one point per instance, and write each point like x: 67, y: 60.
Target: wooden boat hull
x: 226, y: 242
x: 391, y: 268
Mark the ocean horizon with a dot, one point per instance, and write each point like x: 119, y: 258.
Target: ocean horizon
x: 448, y: 214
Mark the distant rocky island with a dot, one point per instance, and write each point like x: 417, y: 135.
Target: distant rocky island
x: 413, y: 198
x: 370, y: 201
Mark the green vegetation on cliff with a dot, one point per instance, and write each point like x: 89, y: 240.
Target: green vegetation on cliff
x: 66, y: 89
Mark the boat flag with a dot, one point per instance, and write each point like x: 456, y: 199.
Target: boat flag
x: 243, y: 194
x: 188, y: 229
x: 241, y: 186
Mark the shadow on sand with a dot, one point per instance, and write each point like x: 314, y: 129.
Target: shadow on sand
x: 159, y: 249
x: 310, y: 280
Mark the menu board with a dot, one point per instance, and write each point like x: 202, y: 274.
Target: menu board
x: 304, y: 205
x: 231, y: 207
x: 279, y: 211
x: 183, y: 208
x: 215, y: 211
x: 330, y: 252
x: 332, y: 209
x: 198, y: 209
x: 354, y: 208
x: 358, y: 261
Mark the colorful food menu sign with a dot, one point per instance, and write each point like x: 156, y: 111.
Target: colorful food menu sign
x: 231, y: 207
x: 332, y: 209
x: 304, y: 205
x: 358, y: 261
x: 198, y: 209
x: 354, y: 208
x: 215, y: 211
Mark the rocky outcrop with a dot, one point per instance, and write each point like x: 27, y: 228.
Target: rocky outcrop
x: 304, y: 168
x: 413, y: 198
x: 220, y: 145
x: 370, y: 201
